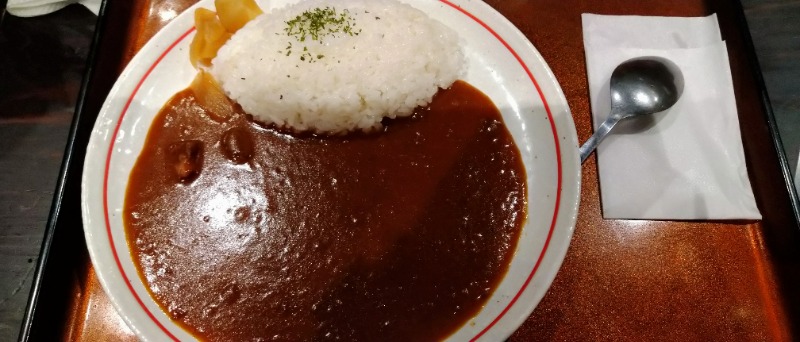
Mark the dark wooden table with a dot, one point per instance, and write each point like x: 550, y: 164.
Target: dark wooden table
x: 41, y: 65
x: 775, y: 27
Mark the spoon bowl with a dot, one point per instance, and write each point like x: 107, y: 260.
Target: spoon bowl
x: 639, y: 86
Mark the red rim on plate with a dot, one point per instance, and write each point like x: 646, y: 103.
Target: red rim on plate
x: 448, y: 3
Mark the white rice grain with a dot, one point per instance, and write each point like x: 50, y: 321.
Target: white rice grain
x: 397, y: 61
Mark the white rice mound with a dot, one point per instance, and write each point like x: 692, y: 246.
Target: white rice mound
x: 397, y: 62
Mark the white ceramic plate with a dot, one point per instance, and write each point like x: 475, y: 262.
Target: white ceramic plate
x: 502, y: 63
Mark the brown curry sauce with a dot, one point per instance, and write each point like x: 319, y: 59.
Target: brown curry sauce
x: 243, y: 232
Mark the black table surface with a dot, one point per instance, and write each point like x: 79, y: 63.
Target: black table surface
x: 42, y: 60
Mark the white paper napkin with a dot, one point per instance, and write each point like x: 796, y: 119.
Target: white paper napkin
x: 683, y: 164
x: 32, y: 8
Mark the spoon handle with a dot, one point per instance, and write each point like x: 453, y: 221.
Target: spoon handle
x: 598, y: 136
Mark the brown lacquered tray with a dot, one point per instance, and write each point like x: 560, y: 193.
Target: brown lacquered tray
x: 621, y: 279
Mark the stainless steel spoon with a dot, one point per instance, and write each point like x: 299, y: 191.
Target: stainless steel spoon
x: 639, y: 86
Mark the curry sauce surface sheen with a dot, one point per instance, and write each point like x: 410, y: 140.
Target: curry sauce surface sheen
x: 246, y: 233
